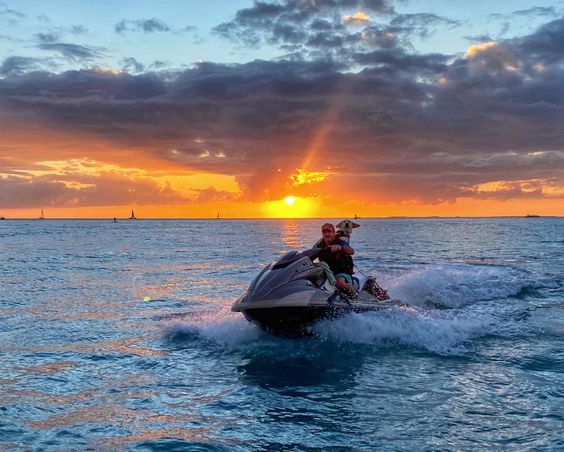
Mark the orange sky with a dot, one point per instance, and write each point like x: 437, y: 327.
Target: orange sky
x: 197, y: 194
x: 168, y: 189
x: 303, y: 208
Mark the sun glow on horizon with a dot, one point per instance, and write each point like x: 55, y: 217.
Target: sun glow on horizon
x: 290, y: 207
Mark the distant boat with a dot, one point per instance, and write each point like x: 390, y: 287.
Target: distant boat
x: 42, y: 217
x: 132, y: 217
x: 355, y: 216
x: 2, y: 217
x: 532, y: 216
x: 217, y: 216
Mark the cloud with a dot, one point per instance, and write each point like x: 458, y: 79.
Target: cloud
x: 384, y: 124
x: 317, y: 30
x: 510, y: 189
x: 263, y: 116
x: 54, y: 34
x: 187, y: 29
x: 131, y: 63
x: 10, y: 39
x: 211, y: 194
x: 102, y: 190
x: 72, y: 52
x: 523, y: 18
x: 299, y: 25
x: 479, y: 38
x: 535, y: 11
x: 10, y: 12
x: 78, y: 29
x: 358, y: 18
x: 421, y: 24
x: 544, y: 45
x: 152, y: 25
x: 16, y: 65
x: 48, y: 37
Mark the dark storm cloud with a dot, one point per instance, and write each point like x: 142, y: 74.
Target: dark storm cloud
x: 410, y: 126
x: 143, y: 25
x: 72, y: 52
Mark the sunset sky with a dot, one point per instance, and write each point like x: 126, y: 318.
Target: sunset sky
x: 288, y: 108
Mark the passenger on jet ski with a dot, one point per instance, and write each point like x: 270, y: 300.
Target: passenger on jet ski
x: 337, y: 254
x: 342, y: 237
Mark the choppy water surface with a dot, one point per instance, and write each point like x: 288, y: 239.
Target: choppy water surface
x: 86, y: 363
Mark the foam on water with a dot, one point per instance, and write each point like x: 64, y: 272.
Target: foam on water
x: 220, y: 326
x: 454, y: 285
x: 443, y: 332
x: 473, y: 294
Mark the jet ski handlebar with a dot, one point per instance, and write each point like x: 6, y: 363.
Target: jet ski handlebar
x: 293, y: 256
x: 312, y: 253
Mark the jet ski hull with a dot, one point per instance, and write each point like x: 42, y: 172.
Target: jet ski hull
x: 290, y: 321
x: 296, y: 321
x: 289, y: 296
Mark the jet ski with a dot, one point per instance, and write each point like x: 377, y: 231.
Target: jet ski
x: 290, y: 295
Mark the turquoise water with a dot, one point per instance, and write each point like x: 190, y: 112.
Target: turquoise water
x: 86, y: 363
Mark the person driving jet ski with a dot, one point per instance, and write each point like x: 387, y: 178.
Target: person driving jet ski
x: 337, y: 254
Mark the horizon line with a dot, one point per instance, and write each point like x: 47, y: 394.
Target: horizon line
x: 393, y: 217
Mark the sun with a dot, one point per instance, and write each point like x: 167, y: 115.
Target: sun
x: 289, y: 200
x: 290, y: 207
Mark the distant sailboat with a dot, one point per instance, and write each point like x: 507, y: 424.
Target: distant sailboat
x: 42, y: 217
x: 2, y: 217
x: 132, y: 217
x: 217, y: 216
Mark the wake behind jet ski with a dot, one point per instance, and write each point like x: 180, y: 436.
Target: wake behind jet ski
x: 290, y: 295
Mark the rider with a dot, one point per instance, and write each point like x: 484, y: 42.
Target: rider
x: 337, y: 254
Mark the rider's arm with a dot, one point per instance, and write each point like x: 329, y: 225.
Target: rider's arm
x: 346, y: 248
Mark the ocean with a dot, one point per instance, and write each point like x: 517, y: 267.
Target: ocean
x: 119, y: 336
